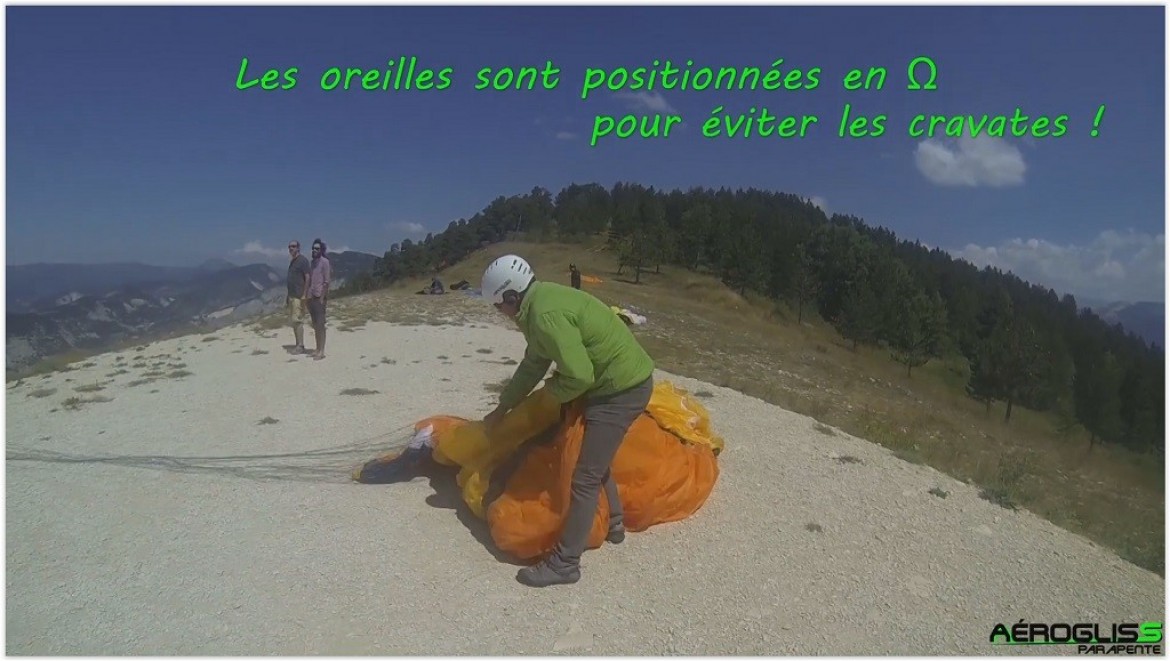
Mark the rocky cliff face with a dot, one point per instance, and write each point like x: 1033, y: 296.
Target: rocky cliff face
x: 55, y: 309
x: 83, y: 321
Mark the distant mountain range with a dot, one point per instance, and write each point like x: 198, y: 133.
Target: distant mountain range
x: 1146, y: 319
x: 56, y: 308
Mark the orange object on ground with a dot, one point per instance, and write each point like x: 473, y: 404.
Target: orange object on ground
x: 660, y: 478
x: 665, y: 469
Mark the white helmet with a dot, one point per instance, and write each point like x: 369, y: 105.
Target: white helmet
x: 509, y: 272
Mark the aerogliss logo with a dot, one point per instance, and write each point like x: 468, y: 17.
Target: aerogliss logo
x: 1090, y: 638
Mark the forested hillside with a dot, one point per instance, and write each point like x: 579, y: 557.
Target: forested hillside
x: 1026, y: 346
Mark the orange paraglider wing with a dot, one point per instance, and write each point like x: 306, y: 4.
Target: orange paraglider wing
x: 665, y: 469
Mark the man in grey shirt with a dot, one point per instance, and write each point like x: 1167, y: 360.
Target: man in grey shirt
x: 298, y: 292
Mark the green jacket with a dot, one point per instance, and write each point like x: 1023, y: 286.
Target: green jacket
x: 595, y: 352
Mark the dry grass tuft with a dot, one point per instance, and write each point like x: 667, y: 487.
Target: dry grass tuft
x: 359, y: 391
x: 75, y: 403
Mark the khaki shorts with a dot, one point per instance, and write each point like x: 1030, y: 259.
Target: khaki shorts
x: 296, y: 311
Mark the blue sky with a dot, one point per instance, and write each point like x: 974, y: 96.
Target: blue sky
x: 128, y: 140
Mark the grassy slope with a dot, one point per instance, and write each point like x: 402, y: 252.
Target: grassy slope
x: 698, y: 328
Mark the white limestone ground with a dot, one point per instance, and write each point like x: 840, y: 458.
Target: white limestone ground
x: 798, y: 551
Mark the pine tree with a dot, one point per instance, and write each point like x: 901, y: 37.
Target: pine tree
x: 1018, y: 360
x: 921, y: 323
x: 692, y: 235
x: 860, y: 316
x: 804, y: 281
x: 982, y: 385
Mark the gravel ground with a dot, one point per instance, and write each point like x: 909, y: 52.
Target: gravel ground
x: 811, y: 543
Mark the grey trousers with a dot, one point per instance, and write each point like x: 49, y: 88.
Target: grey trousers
x: 607, y: 419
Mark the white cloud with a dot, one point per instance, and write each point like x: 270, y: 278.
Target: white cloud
x: 820, y: 203
x: 1115, y: 266
x: 646, y: 101
x: 407, y: 227
x: 258, y: 248
x: 971, y: 162
x: 565, y: 135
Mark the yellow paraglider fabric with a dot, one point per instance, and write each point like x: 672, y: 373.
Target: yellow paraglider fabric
x: 463, y: 443
x: 680, y: 413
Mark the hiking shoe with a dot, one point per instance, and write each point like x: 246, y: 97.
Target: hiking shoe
x: 543, y: 575
x: 616, y: 535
